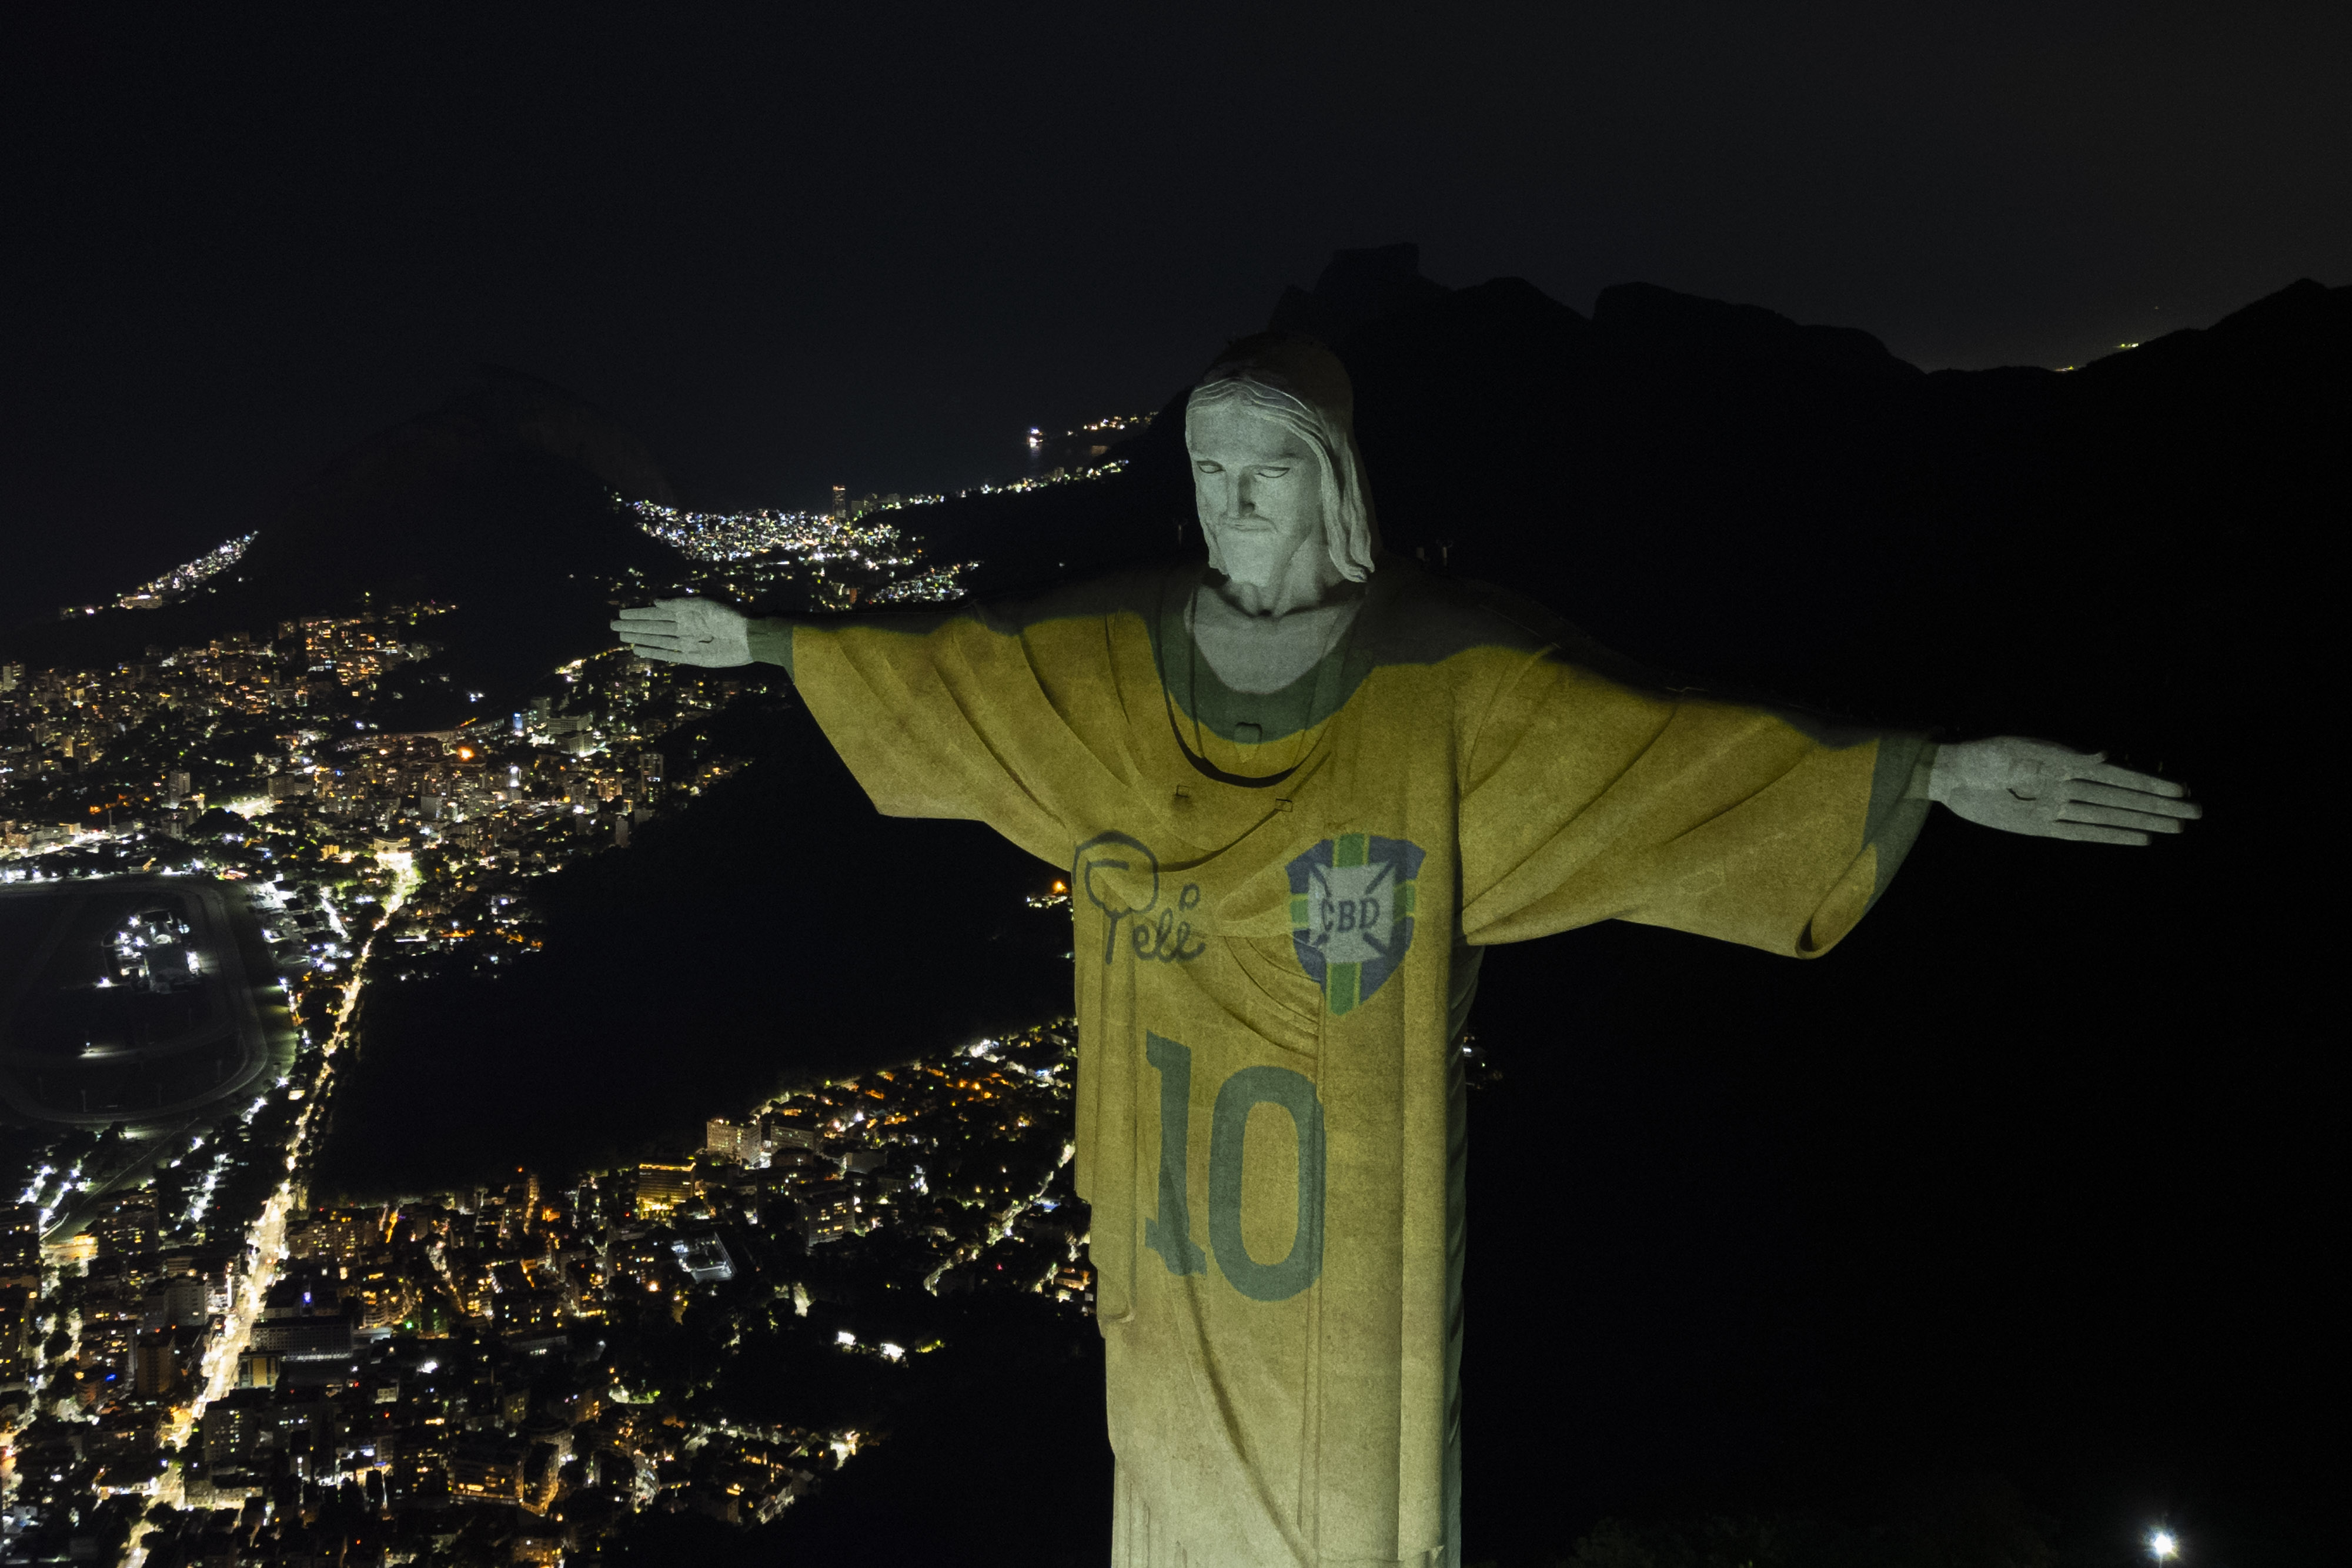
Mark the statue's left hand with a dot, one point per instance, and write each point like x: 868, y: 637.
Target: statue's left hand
x: 2022, y: 786
x: 687, y: 631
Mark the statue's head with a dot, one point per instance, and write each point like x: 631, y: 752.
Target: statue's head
x: 1271, y: 431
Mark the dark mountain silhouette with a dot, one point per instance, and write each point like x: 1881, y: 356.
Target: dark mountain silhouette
x: 1692, y: 481
x: 1723, y: 492
x: 497, y: 502
x: 1356, y: 286
x: 538, y: 413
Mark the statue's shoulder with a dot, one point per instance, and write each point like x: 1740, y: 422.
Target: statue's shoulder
x: 1425, y: 617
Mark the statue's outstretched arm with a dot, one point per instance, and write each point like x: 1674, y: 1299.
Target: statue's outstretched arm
x: 719, y: 636
x: 687, y: 631
x: 2022, y: 786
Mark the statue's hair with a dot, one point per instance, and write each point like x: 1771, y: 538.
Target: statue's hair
x: 1301, y: 385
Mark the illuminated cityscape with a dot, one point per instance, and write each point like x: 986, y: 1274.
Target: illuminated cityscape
x: 180, y: 581
x: 348, y: 1379
x: 209, y: 852
x: 851, y: 535
x: 817, y: 536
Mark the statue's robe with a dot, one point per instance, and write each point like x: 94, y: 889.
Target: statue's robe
x: 1278, y: 905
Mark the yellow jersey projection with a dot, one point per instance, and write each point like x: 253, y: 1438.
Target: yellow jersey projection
x: 1279, y: 903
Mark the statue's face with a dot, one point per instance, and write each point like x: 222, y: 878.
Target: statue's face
x: 1259, y: 488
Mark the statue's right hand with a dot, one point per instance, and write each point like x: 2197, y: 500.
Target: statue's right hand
x: 2052, y: 791
x: 687, y: 631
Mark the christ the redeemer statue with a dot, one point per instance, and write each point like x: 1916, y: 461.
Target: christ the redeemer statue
x: 1297, y: 791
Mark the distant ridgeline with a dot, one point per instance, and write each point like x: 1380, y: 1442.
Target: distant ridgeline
x: 853, y: 554
x: 1711, y: 487
x: 515, y: 482
x: 843, y: 531
x: 1716, y: 489
x: 839, y: 558
x: 198, y: 575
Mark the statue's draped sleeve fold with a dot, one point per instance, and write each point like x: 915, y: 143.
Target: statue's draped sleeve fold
x: 1585, y: 799
x: 944, y: 716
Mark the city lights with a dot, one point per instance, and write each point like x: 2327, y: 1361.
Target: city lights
x: 186, y: 1264
x: 182, y: 581
x: 817, y: 537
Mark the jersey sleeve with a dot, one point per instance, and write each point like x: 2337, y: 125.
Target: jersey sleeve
x: 1586, y: 799
x: 938, y: 716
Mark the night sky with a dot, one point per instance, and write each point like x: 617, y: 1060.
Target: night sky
x: 873, y: 246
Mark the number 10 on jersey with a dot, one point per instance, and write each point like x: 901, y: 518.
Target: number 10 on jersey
x: 1170, y: 1233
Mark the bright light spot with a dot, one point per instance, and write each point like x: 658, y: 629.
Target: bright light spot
x: 892, y: 1352
x: 2164, y: 1546
x: 844, y: 1336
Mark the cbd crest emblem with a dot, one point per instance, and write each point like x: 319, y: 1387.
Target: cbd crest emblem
x: 1352, y: 909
